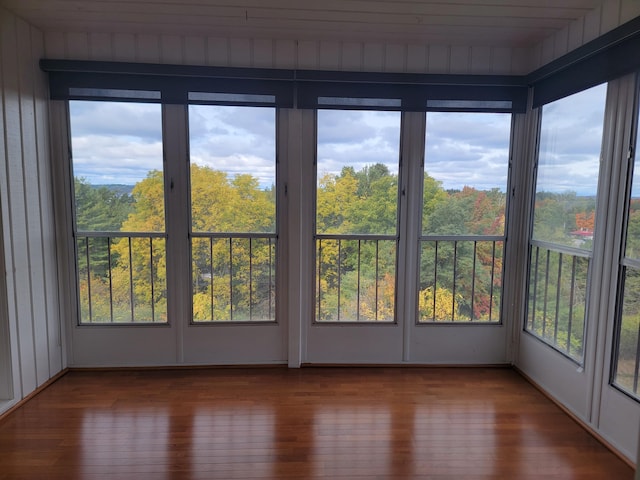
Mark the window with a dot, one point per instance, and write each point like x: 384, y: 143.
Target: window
x: 356, y: 215
x: 233, y: 213
x: 119, y: 226
x: 561, y: 244
x: 626, y: 364
x: 466, y: 170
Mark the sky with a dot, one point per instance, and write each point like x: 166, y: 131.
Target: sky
x: 118, y: 143
x: 570, y: 142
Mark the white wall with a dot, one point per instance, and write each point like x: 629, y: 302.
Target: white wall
x: 611, y: 14
x: 268, y: 53
x: 31, y: 316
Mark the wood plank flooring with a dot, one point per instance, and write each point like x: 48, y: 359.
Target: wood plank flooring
x: 330, y: 423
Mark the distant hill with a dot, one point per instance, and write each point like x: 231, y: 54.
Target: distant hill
x: 120, y: 189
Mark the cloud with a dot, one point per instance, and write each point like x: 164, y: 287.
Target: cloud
x: 357, y: 138
x: 468, y: 149
x: 236, y: 140
x: 136, y: 120
x: 570, y: 143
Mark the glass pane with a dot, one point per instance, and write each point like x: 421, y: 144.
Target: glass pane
x: 628, y: 361
x: 119, y: 211
x: 465, y: 173
x: 117, y: 166
x: 233, y: 168
x: 357, y: 197
x: 358, y: 158
x: 633, y: 227
x: 568, y: 167
x: 233, y: 212
x: 465, y: 180
x: 564, y: 215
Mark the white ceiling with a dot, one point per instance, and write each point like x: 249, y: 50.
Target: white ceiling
x: 463, y: 22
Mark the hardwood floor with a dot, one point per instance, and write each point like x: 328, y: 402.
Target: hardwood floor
x: 337, y: 423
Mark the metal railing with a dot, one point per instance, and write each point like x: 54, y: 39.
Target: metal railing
x: 626, y: 368
x: 121, y: 277
x: 556, y: 305
x: 234, y: 277
x: 355, y: 278
x: 460, y: 278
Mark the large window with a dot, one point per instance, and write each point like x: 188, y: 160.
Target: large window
x: 356, y: 215
x: 561, y: 245
x: 464, y: 200
x: 626, y: 364
x: 233, y: 212
x: 119, y: 226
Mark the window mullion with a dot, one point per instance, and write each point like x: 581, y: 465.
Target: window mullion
x: 412, y: 155
x: 176, y: 164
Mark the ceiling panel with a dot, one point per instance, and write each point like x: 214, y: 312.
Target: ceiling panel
x: 463, y: 22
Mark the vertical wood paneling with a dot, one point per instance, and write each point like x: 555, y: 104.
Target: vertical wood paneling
x: 439, y: 59
x: 521, y: 63
x: 395, y: 58
x: 304, y: 54
x: 262, y: 56
x: 124, y: 47
x: 47, y: 219
x: 148, y: 49
x: 592, y: 25
x: 100, y: 46
x: 604, y: 18
x: 308, y: 54
x: 629, y: 9
x: 536, y: 56
x: 610, y: 15
x: 548, y: 49
x: 77, y: 45
x: 330, y: 58
x: 352, y: 56
x: 561, y: 42
x: 460, y: 60
x: 17, y: 223
x: 10, y: 384
x: 285, y: 54
x: 373, y: 57
x: 195, y: 51
x: 55, y: 45
x: 240, y: 52
x: 171, y: 49
x: 576, y: 32
x: 501, y: 61
x: 481, y: 60
x: 30, y: 170
x: 218, y: 51
x: 27, y: 216
x: 417, y: 58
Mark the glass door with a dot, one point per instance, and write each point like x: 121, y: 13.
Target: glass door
x: 356, y: 240
x: 233, y: 236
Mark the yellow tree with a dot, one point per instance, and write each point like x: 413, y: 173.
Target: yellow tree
x: 445, y: 305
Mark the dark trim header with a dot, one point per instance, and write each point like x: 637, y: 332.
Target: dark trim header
x: 72, y: 80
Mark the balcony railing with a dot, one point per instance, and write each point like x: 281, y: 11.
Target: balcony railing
x: 121, y: 277
x: 626, y: 372
x: 557, y: 296
x: 234, y: 277
x: 355, y: 278
x: 460, y: 279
